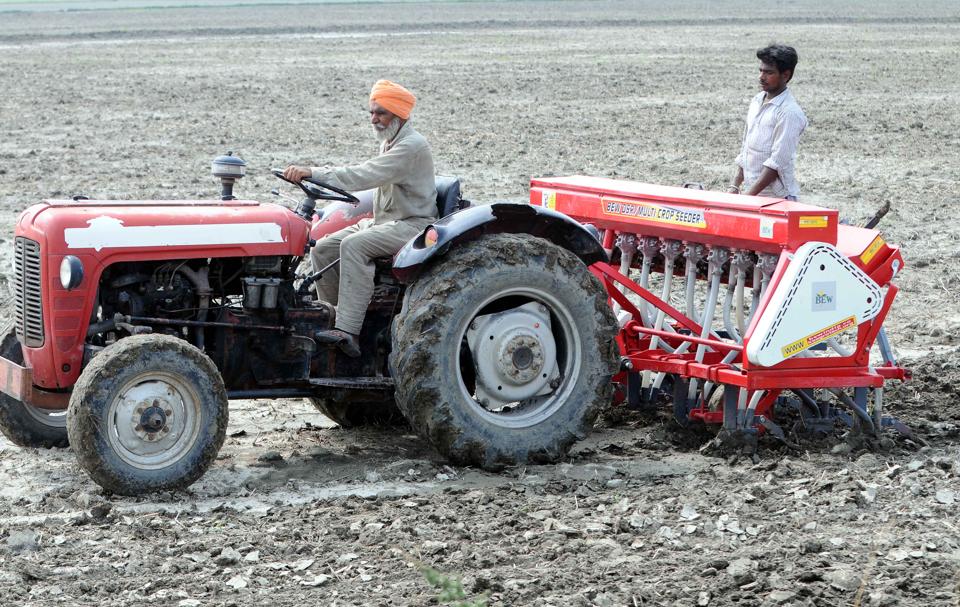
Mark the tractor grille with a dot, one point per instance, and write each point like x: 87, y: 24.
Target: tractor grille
x: 29, y: 306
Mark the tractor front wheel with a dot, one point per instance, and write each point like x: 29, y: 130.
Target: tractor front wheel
x: 504, y: 351
x: 149, y: 413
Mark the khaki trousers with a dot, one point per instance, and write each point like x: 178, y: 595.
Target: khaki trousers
x: 349, y: 286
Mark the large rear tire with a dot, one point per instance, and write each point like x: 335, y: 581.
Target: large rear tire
x: 26, y: 425
x: 149, y: 413
x: 504, y: 351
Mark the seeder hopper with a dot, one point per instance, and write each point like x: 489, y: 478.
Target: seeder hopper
x: 737, y: 306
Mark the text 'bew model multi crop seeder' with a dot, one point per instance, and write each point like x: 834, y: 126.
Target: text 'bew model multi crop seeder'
x: 740, y: 303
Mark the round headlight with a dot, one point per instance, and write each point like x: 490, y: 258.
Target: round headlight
x: 430, y: 237
x: 71, y: 272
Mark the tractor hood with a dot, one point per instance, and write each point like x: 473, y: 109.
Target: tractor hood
x: 80, y: 239
x: 193, y: 228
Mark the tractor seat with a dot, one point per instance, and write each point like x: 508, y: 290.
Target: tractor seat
x: 448, y: 195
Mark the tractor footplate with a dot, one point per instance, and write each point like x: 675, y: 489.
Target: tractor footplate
x: 358, y: 383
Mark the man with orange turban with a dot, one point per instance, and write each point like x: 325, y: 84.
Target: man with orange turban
x: 404, y: 204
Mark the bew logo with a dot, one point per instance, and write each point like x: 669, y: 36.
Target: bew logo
x: 823, y: 298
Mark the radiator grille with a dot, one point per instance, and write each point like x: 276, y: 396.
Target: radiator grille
x: 29, y: 306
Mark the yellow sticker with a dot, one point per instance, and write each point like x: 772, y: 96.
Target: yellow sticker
x: 817, y: 337
x: 871, y: 251
x: 658, y: 213
x: 549, y: 200
x: 813, y: 221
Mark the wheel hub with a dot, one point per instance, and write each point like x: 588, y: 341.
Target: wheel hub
x: 514, y: 353
x: 154, y: 421
x: 521, y: 358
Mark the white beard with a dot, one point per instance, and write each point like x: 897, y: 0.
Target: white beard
x: 389, y: 132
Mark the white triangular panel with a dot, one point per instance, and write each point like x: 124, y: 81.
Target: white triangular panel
x: 822, y: 294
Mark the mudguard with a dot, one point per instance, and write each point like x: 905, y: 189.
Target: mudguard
x: 515, y: 218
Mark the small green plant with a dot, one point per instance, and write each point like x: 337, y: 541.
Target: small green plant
x: 451, y: 589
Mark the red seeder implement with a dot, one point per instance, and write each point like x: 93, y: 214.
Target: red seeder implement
x: 737, y: 306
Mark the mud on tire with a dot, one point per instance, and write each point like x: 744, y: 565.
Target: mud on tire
x: 148, y: 413
x: 474, y: 344
x: 23, y: 424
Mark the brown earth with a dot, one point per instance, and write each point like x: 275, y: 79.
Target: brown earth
x: 135, y: 103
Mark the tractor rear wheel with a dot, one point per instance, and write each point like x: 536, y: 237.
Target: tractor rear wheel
x: 354, y: 414
x: 149, y: 413
x: 504, y: 351
x: 26, y: 425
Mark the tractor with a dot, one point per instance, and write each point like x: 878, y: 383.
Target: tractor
x: 136, y: 322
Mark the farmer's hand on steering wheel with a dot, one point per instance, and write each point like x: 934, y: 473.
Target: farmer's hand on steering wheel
x: 296, y: 174
x: 302, y: 177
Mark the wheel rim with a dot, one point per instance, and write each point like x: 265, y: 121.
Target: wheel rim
x: 521, y: 357
x: 51, y: 418
x: 154, y: 420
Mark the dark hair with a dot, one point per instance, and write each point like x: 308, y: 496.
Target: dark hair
x: 781, y: 55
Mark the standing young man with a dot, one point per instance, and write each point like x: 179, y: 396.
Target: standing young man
x: 766, y: 163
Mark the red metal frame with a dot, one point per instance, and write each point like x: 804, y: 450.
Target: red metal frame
x: 760, y: 225
x: 714, y: 218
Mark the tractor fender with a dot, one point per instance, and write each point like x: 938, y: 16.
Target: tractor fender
x: 514, y: 218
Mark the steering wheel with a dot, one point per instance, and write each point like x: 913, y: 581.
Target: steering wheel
x: 317, y: 190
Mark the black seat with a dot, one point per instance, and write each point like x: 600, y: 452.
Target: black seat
x: 448, y: 195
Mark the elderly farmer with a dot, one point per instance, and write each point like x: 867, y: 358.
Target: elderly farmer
x: 774, y: 125
x: 403, y: 205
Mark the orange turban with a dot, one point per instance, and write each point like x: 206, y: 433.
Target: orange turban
x: 393, y: 98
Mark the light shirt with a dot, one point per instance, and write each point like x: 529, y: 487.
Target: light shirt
x: 770, y: 140
x: 403, y: 175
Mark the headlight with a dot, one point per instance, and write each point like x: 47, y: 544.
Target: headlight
x: 430, y: 237
x: 71, y: 272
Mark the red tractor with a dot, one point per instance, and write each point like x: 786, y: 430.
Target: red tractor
x: 136, y: 322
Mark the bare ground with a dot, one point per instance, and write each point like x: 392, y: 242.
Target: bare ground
x: 135, y: 103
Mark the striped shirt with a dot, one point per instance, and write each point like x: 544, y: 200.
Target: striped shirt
x: 770, y: 140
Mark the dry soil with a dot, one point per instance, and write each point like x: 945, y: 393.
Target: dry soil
x: 132, y: 102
